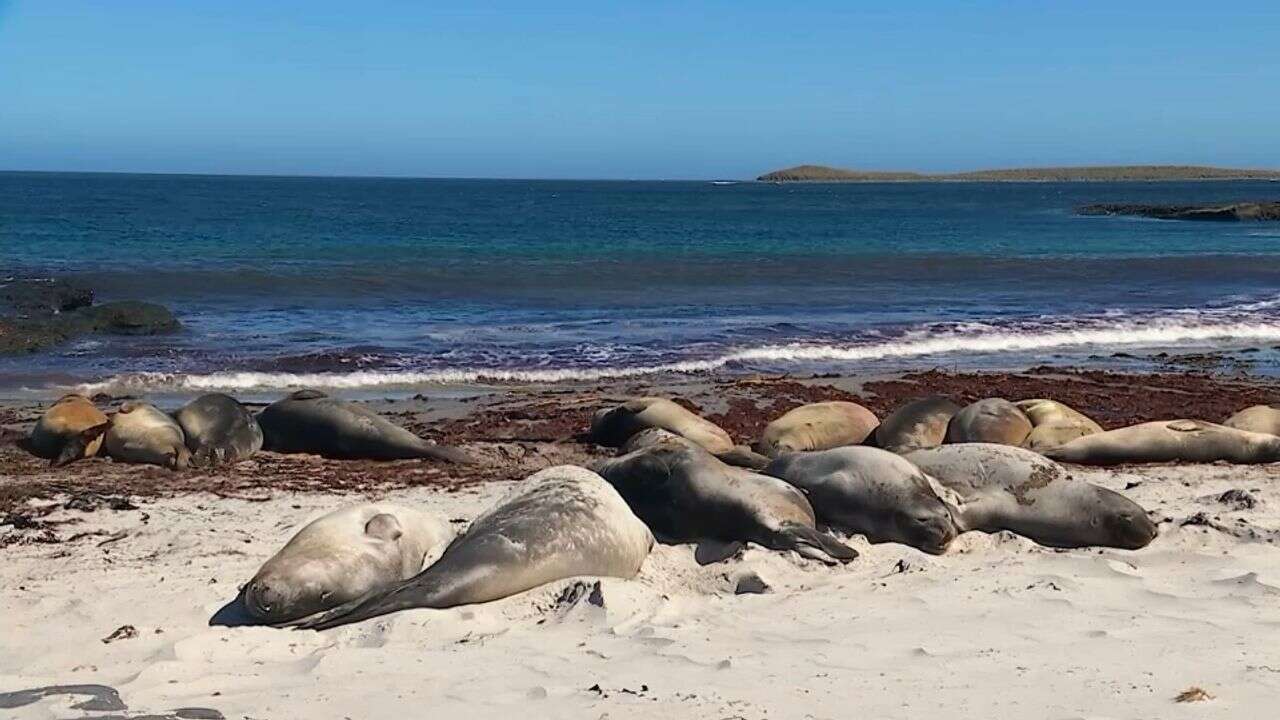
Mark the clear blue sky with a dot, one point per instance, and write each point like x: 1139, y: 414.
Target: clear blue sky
x: 636, y: 90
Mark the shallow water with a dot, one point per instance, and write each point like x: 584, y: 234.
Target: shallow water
x: 387, y: 283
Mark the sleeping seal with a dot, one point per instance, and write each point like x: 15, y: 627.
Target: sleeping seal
x: 309, y: 421
x: 1170, y: 441
x: 141, y: 433
x: 999, y: 487
x: 612, y: 427
x: 685, y: 494
x: 921, y: 423
x: 1053, y: 424
x: 1259, y: 418
x: 218, y: 430
x: 340, y: 557
x: 994, y: 420
x: 872, y: 492
x: 69, y: 430
x: 561, y: 522
x: 818, y: 426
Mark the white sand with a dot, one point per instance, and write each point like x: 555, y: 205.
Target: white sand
x: 996, y: 628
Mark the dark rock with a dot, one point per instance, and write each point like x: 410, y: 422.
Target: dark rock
x: 35, y: 331
x: 30, y: 296
x: 1238, y: 499
x: 131, y: 317
x: 1231, y: 212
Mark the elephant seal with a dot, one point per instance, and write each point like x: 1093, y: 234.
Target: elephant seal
x: 612, y: 427
x: 342, y: 556
x: 993, y: 420
x: 561, y: 522
x: 921, y: 423
x: 685, y: 494
x: 1000, y: 487
x: 69, y: 430
x: 309, y: 421
x: 872, y: 492
x: 818, y: 426
x: 1170, y: 441
x: 1053, y: 424
x: 141, y: 433
x: 1259, y: 418
x: 218, y: 430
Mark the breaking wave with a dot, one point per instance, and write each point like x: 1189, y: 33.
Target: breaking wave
x: 1178, y: 328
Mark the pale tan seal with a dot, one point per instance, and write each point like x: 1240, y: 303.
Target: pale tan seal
x: 559, y: 523
x: 1170, y: 441
x: 341, y: 556
x: 69, y: 430
x: 1054, y: 423
x: 1259, y: 418
x: 613, y: 426
x: 993, y: 420
x: 141, y: 433
x: 818, y: 426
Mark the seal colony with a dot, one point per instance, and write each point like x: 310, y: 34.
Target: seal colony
x: 931, y: 471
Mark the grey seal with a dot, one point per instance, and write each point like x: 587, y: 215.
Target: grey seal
x: 559, y: 523
x: 1000, y: 487
x: 686, y: 495
x: 818, y: 426
x: 342, y: 556
x: 993, y: 420
x: 309, y: 421
x: 1170, y: 441
x: 218, y: 429
x: 872, y: 492
x: 921, y: 423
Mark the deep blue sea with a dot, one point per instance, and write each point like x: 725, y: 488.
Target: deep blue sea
x: 393, y: 284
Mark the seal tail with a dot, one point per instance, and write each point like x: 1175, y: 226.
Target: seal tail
x: 814, y: 545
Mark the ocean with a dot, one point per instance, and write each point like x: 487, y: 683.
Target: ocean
x: 393, y: 285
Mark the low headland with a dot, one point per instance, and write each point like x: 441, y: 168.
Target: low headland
x: 1097, y: 173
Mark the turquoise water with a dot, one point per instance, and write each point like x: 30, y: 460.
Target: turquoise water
x: 388, y: 282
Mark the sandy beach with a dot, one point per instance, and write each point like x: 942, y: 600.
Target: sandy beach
x: 114, y: 571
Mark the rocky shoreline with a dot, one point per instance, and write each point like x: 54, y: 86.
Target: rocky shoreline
x: 1234, y: 212
x: 36, y: 314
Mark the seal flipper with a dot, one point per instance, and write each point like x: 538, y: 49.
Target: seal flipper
x: 75, y: 448
x: 813, y: 544
x: 369, y: 605
x: 744, y: 457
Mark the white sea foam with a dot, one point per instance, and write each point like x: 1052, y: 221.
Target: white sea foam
x: 1176, y: 328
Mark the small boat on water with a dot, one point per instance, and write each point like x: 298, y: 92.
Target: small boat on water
x: 724, y: 182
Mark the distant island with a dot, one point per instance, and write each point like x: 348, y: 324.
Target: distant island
x: 822, y: 173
